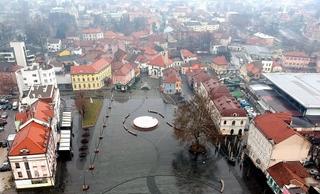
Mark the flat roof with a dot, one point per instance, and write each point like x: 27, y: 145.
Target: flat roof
x: 302, y: 87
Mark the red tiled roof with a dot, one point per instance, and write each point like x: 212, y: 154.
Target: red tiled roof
x: 123, y: 70
x: 285, y: 172
x: 296, y: 54
x: 187, y: 53
x: 159, y: 60
x: 171, y: 75
x: 40, y: 110
x: 149, y: 51
x: 90, y: 69
x: 229, y: 107
x: 91, y: 31
x: 275, y: 126
x: 33, y: 137
x: 253, y: 69
x: 199, y: 76
x: 220, y: 60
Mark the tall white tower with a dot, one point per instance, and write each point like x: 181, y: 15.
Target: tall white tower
x: 19, y: 49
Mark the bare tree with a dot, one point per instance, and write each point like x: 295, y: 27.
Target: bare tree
x: 194, y: 125
x: 80, y: 102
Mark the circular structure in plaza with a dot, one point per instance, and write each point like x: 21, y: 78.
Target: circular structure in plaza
x: 145, y: 122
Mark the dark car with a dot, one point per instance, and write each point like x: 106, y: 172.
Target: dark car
x: 231, y: 160
x: 4, y: 143
x: 5, y: 167
x: 3, y: 122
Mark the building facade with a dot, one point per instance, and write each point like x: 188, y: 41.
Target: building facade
x: 32, y: 157
x: 92, y: 34
x: 34, y: 75
x: 271, y: 140
x: 295, y: 60
x: 171, y: 82
x: 92, y: 76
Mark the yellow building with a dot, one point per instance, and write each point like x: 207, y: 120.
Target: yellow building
x: 91, y: 77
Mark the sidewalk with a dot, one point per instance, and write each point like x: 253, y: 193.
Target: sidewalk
x: 5, y: 177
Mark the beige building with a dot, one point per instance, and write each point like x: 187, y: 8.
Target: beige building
x: 295, y: 60
x: 226, y: 113
x: 271, y: 140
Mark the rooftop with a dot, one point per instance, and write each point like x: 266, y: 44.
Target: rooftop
x: 92, y: 68
x: 275, y: 126
x: 229, y: 107
x: 31, y: 139
x: 220, y: 60
x: 286, y: 172
x: 302, y: 87
x: 41, y: 91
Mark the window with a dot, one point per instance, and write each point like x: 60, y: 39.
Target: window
x: 19, y: 174
x: 233, y: 123
x: 25, y: 79
x: 75, y: 86
x: 35, y: 81
x: 78, y: 79
x: 89, y: 85
x: 34, y: 75
x: 44, y: 75
x: 17, y: 165
x: 83, y: 79
x: 45, y: 81
x: 224, y: 122
x: 241, y: 122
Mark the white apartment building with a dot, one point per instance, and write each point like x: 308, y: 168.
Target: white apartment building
x: 267, y: 66
x: 202, y: 26
x: 271, y: 140
x: 54, y: 45
x: 92, y: 34
x: 35, y: 74
x: 32, y: 156
x: 19, y: 52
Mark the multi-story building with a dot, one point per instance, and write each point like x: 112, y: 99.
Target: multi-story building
x: 288, y: 177
x: 34, y: 75
x: 266, y: 65
x: 123, y: 76
x: 171, y: 81
x: 227, y: 115
x: 157, y: 64
x: 32, y: 156
x: 198, y: 26
x: 271, y: 140
x: 54, y: 45
x: 187, y: 55
x: 92, y: 76
x: 19, y: 55
x: 220, y: 65
x: 92, y: 34
x: 295, y: 60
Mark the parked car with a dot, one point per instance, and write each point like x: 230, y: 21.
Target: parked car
x: 4, y: 143
x: 308, y: 164
x: 4, y: 115
x: 15, y: 105
x: 1, y: 128
x: 313, y: 171
x: 5, y: 167
x: 3, y: 122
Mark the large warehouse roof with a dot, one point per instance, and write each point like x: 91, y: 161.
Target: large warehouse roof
x: 302, y: 87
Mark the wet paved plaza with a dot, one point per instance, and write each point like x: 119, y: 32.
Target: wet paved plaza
x: 148, y: 162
